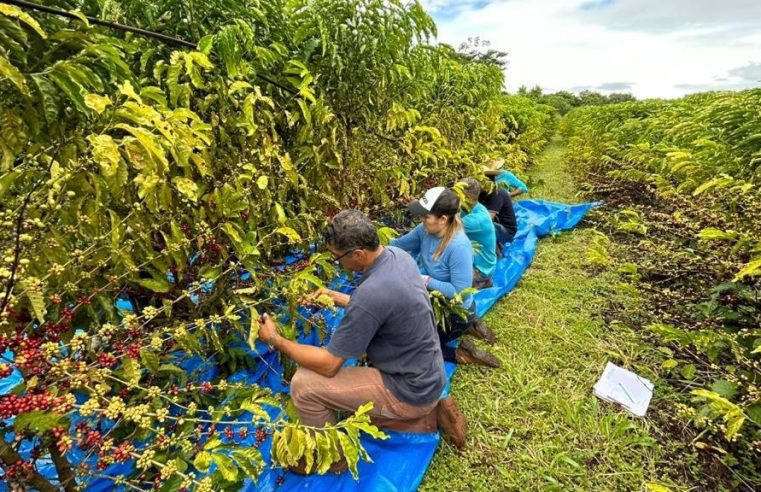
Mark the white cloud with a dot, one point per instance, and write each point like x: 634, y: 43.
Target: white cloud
x: 657, y: 48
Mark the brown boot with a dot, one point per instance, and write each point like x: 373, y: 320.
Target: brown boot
x: 468, y: 353
x: 452, y: 422
x: 300, y: 468
x: 479, y: 329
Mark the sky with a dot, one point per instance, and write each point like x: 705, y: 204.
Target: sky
x: 650, y: 48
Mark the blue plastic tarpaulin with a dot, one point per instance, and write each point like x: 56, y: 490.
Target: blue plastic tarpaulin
x: 400, y: 462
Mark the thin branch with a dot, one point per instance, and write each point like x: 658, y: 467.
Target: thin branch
x: 9, y: 456
x: 19, y: 225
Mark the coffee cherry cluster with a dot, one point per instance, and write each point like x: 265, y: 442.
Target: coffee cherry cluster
x: 261, y: 436
x: 107, y: 359
x: 5, y: 370
x: 19, y: 470
x: 132, y: 351
x: 123, y: 452
x: 12, y: 405
x: 62, y: 439
x: 29, y: 357
x: 297, y: 266
x: 229, y: 433
x: 67, y: 314
x: 53, y: 330
x: 90, y: 439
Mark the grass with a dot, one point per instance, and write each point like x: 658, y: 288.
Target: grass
x: 534, y: 423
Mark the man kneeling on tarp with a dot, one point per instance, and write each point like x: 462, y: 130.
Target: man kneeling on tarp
x: 389, y: 318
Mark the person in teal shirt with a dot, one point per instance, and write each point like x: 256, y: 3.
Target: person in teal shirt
x: 514, y: 185
x: 480, y: 230
x: 505, y: 178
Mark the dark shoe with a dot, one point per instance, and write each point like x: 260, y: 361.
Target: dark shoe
x: 452, y: 422
x: 484, y: 283
x: 300, y: 468
x: 468, y: 353
x: 479, y: 329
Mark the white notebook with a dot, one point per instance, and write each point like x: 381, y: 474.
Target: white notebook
x: 617, y: 385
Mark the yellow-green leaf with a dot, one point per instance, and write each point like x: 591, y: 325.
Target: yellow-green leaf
x: 280, y: 213
x: 232, y: 232
x: 155, y: 285
x: 654, y: 487
x: 253, y: 330
x: 750, y: 269
x: 9, y: 71
x: 106, y: 153
x: 187, y: 187
x: 226, y: 467
x: 37, y: 301
x: 202, y: 461
x: 97, y: 103
x: 291, y: 234
x: 81, y: 16
x: 17, y: 13
x: 129, y: 91
x: 6, y: 181
x: 262, y: 182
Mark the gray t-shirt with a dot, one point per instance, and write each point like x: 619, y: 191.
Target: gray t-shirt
x: 390, y: 318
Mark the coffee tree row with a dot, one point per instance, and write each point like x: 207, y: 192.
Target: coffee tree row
x: 684, y: 178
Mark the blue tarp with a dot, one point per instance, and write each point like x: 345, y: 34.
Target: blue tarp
x: 400, y: 462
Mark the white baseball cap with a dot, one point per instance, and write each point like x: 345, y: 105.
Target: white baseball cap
x: 427, y: 203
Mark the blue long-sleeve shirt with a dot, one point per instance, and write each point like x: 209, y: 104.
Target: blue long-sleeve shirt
x: 452, y: 272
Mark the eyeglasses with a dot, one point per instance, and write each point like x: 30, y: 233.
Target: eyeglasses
x: 338, y: 259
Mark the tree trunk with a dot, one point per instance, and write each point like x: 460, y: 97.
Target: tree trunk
x: 62, y: 466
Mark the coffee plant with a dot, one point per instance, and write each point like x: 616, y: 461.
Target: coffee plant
x: 154, y: 196
x: 682, y: 180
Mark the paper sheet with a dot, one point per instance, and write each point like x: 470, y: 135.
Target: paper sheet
x: 617, y: 385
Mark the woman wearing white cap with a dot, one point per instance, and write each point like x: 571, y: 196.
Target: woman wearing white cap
x: 445, y: 257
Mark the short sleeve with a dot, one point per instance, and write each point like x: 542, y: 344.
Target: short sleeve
x: 353, y: 335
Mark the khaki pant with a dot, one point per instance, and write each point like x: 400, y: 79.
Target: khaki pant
x: 317, y: 398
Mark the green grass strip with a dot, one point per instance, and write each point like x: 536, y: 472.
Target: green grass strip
x: 534, y: 423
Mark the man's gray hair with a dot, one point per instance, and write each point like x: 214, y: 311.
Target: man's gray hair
x: 472, y: 188
x: 350, y: 230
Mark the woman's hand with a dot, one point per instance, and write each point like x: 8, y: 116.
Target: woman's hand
x: 426, y: 279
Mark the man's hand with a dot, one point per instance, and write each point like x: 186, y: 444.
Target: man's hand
x: 267, y: 329
x: 339, y: 299
x: 317, y: 359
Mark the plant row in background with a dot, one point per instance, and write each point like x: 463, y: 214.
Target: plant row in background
x: 681, y: 181
x: 173, y: 180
